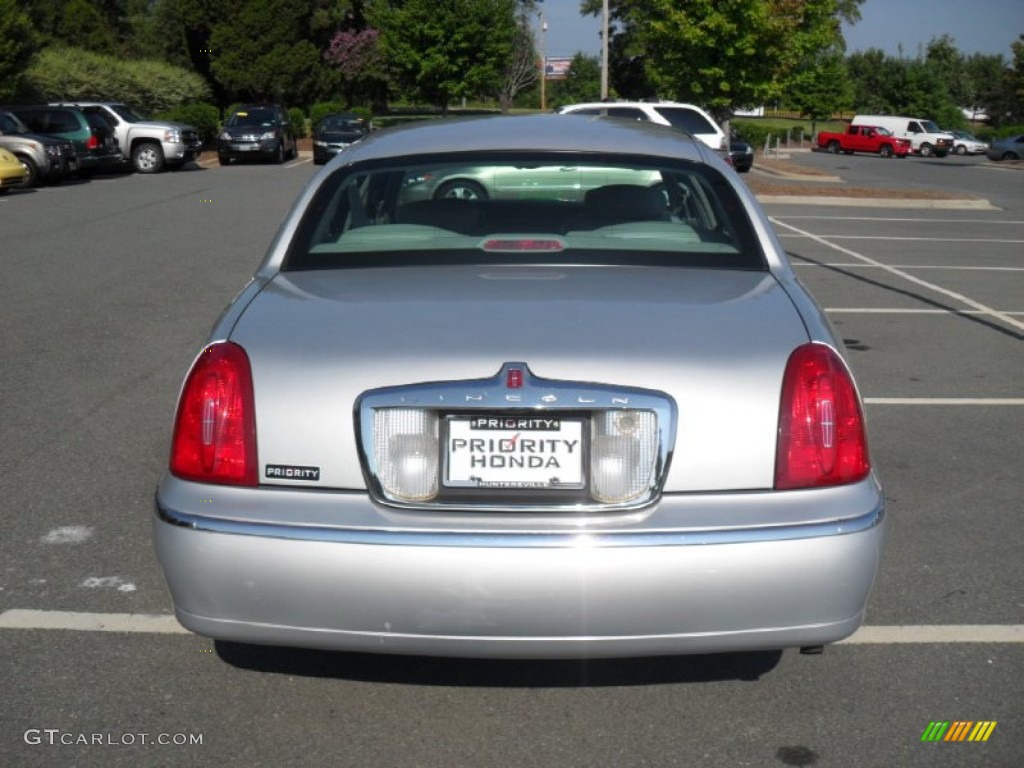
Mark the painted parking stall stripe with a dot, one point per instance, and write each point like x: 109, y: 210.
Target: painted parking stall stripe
x: 166, y: 624
x: 1002, y: 316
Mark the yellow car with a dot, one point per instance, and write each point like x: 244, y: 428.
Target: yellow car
x: 12, y: 172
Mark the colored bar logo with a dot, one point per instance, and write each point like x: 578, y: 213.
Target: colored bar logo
x: 958, y: 730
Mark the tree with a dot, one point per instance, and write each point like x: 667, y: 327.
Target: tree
x: 359, y: 61
x: 17, y: 45
x: 985, y: 72
x: 440, y: 52
x: 821, y: 86
x: 521, y: 70
x: 582, y: 82
x: 943, y: 58
x: 723, y: 55
x: 878, y: 81
x: 260, y: 51
x: 1007, y: 102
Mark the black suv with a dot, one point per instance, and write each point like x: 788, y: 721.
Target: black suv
x: 261, y: 131
x: 92, y: 136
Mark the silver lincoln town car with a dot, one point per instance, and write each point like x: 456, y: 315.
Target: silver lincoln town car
x: 584, y: 410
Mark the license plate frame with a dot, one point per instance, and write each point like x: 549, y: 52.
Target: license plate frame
x: 515, y: 452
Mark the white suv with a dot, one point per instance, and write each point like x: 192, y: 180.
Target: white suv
x: 687, y: 117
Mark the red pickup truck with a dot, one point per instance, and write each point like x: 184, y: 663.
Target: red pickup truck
x: 864, y: 138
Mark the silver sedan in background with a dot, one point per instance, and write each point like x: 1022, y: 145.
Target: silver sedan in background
x: 593, y: 416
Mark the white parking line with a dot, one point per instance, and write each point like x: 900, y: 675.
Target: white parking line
x: 930, y: 222
x: 915, y: 239
x: 907, y: 276
x: 938, y: 633
x: 850, y: 265
x: 154, y: 623
x: 898, y: 311
x: 165, y: 624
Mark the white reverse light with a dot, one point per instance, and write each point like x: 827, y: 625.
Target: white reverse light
x: 405, y: 443
x: 623, y: 449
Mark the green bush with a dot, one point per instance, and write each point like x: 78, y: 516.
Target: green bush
x: 754, y: 133
x: 298, y: 118
x: 67, y: 74
x: 205, y: 117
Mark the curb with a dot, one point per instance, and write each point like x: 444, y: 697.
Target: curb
x: 209, y: 157
x: 776, y: 174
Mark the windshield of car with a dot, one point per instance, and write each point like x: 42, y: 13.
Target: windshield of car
x: 127, y: 113
x: 261, y: 117
x: 525, y: 208
x: 883, y: 131
x: 342, y: 124
x: 930, y: 127
x: 10, y: 124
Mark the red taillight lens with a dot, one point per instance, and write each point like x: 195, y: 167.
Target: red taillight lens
x: 215, y: 428
x: 821, y: 428
x: 92, y: 142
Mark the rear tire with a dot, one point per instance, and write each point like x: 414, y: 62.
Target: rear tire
x: 961, y: 150
x: 926, y: 150
x: 885, y: 150
x: 463, y: 190
x: 1009, y: 156
x: 833, y: 147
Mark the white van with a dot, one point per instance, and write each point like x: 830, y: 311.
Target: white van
x: 925, y: 136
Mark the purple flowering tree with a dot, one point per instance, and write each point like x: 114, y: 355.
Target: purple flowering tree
x: 358, y: 58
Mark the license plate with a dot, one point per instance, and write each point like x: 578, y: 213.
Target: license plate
x: 514, y: 452
x: 246, y: 147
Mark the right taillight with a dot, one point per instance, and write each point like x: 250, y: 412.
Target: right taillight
x: 215, y: 427
x: 822, y: 440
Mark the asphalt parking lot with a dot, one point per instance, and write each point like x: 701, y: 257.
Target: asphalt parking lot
x: 110, y: 286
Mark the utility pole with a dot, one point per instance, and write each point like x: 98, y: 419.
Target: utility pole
x: 604, y: 50
x: 543, y: 61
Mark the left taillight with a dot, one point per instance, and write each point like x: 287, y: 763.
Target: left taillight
x: 822, y: 440
x: 214, y: 438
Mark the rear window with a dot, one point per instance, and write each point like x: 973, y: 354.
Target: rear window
x: 525, y: 208
x: 688, y: 120
x: 62, y: 121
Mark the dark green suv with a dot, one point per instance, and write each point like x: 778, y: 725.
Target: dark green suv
x: 92, y: 136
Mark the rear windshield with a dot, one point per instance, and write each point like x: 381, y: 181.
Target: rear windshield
x: 525, y: 208
x: 688, y: 120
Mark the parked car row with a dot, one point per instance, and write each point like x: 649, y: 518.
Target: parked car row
x: 44, y: 158
x: 54, y: 141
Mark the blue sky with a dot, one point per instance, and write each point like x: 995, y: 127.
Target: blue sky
x: 976, y: 26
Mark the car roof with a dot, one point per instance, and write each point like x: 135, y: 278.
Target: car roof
x: 551, y: 132
x: 630, y: 103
